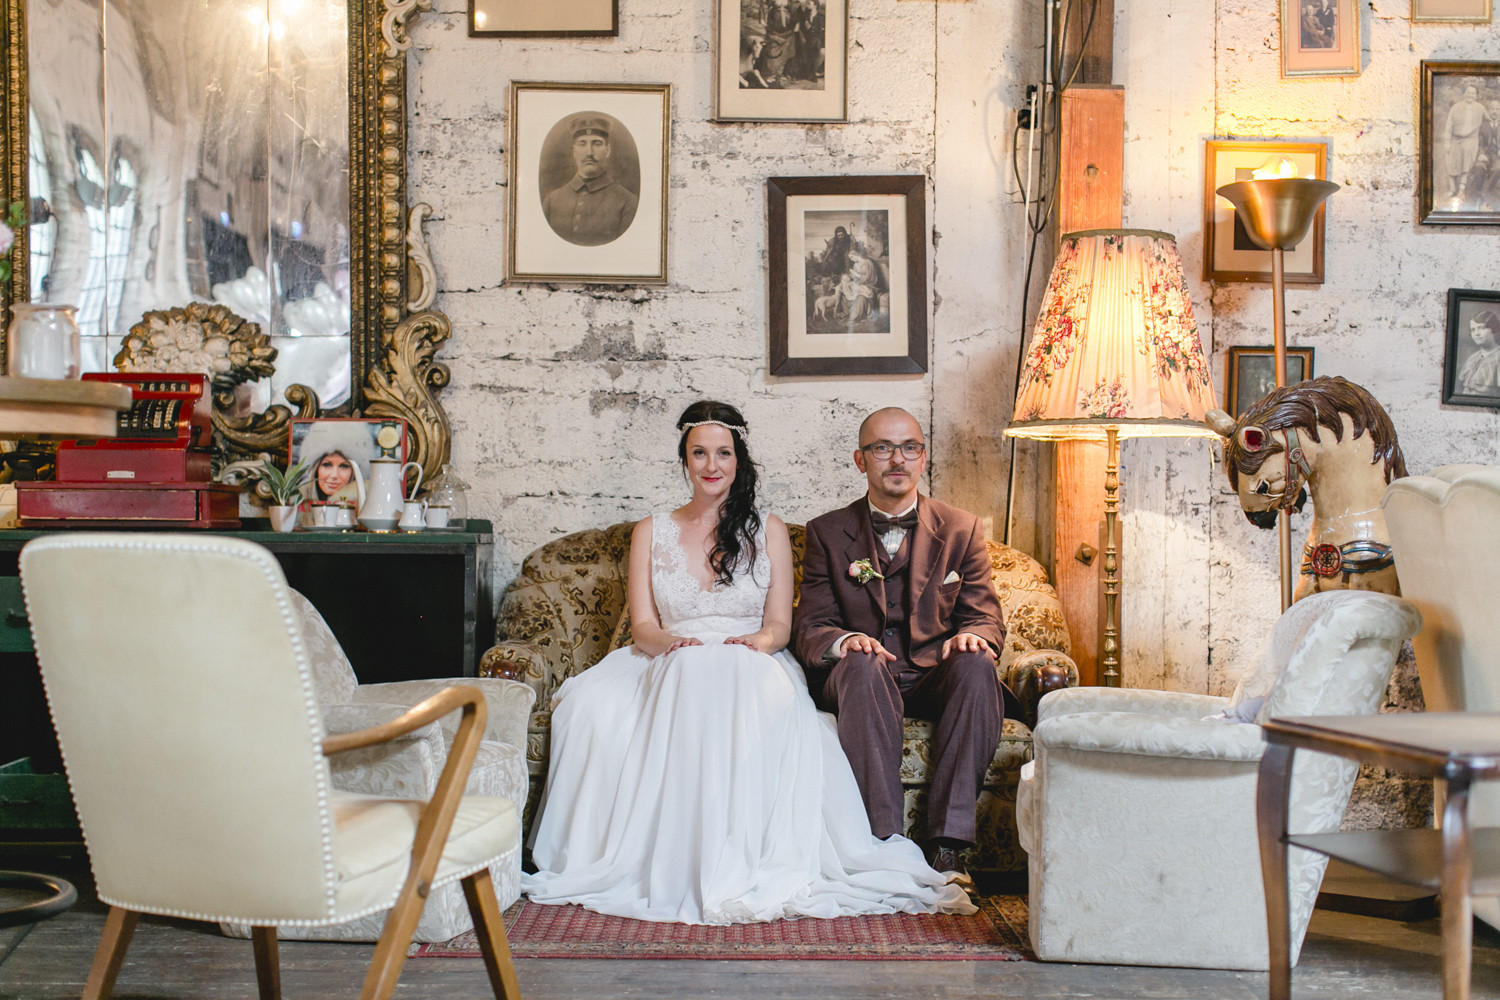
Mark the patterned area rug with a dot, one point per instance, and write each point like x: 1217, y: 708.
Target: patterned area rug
x: 997, y: 933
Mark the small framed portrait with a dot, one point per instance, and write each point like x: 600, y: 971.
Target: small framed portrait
x: 1458, y: 151
x: 781, y: 61
x: 1252, y: 374
x: 1471, y: 359
x: 1319, y: 38
x: 543, y: 18
x: 1451, y: 11
x: 338, y: 452
x: 848, y: 291
x: 588, y: 183
x: 1229, y: 252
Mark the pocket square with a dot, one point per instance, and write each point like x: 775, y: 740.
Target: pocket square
x: 952, y: 577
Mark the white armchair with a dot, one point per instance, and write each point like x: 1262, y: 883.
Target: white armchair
x: 1138, y: 812
x: 409, y: 767
x: 1445, y: 530
x: 178, y: 678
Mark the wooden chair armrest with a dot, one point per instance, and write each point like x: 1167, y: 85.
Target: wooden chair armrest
x: 419, y: 715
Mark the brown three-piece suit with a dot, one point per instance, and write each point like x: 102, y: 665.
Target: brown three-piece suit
x: 935, y: 586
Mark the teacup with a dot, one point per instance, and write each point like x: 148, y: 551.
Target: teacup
x: 437, y: 516
x: 412, y: 515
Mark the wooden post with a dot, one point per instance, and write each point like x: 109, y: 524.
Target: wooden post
x: 1090, y: 196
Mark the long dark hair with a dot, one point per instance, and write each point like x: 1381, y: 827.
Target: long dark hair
x: 739, y: 522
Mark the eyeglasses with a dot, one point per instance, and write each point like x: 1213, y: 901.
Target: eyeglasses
x: 882, y: 450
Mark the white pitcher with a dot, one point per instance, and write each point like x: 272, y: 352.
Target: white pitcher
x: 384, y: 494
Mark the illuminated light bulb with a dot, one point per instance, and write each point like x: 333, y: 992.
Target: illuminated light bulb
x: 1274, y: 168
x: 479, y: 19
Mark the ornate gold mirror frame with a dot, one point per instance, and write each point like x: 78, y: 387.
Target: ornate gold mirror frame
x: 394, y: 333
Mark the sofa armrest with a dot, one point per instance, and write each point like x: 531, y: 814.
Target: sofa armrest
x: 1150, y: 735
x: 406, y: 767
x: 523, y: 662
x: 509, y: 703
x: 1033, y: 675
x: 1166, y: 704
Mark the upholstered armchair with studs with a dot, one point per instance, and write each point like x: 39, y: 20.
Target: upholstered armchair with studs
x: 409, y: 766
x: 566, y: 610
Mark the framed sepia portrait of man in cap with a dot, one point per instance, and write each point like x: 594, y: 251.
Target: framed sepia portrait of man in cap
x: 588, y: 183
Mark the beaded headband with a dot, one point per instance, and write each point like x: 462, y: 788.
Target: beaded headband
x: 702, y: 423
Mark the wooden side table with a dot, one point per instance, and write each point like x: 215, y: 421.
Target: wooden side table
x: 1459, y: 862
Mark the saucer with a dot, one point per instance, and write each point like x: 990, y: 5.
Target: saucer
x: 323, y: 528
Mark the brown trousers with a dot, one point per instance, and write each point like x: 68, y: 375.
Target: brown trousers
x: 962, y: 695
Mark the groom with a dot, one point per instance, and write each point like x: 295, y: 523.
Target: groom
x: 897, y: 617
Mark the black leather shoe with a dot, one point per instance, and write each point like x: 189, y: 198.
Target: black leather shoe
x: 943, y: 858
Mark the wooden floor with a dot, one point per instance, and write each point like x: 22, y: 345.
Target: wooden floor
x: 1345, y: 956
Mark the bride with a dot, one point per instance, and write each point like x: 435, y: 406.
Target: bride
x: 692, y: 780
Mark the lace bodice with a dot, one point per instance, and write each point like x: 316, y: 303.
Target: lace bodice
x: 685, y: 607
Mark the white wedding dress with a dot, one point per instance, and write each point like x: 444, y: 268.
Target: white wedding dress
x: 702, y: 786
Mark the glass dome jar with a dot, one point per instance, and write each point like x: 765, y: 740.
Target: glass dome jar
x: 43, y: 342
x: 447, y: 499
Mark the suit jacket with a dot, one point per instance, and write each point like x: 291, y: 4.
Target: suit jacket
x: 946, y: 541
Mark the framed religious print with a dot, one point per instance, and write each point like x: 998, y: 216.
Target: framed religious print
x: 1252, y: 374
x: 1458, y: 148
x: 1471, y: 359
x: 848, y: 289
x: 1452, y: 11
x: 543, y: 18
x: 1319, y: 38
x: 781, y: 61
x: 1229, y: 252
x: 588, y: 183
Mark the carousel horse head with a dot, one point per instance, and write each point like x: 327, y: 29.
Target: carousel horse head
x: 1329, y: 438
x: 1264, y: 451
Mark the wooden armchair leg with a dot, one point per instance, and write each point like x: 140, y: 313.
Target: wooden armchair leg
x: 395, y: 939
x: 267, y: 962
x: 489, y: 928
x: 119, y: 927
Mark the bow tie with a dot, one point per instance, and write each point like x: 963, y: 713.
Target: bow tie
x: 883, y: 522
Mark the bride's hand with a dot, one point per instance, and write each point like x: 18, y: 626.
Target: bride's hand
x: 678, y: 643
x: 753, y: 640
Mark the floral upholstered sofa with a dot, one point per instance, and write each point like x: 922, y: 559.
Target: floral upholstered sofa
x: 566, y: 610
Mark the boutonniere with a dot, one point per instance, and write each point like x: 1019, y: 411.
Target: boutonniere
x: 863, y: 571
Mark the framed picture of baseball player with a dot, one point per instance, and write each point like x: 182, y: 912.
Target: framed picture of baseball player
x: 588, y: 183
x: 848, y: 277
x: 1458, y: 149
x: 781, y: 61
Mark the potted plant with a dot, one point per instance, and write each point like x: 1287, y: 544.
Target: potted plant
x: 286, y: 492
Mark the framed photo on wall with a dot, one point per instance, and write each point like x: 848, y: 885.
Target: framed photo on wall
x: 848, y: 291
x: 335, y: 446
x: 1458, y: 152
x: 588, y: 182
x: 543, y: 18
x: 1229, y: 252
x: 1252, y: 373
x: 781, y: 61
x: 1471, y: 359
x: 1453, y: 11
x: 1319, y: 38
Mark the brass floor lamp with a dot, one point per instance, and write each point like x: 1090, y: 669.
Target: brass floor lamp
x: 1277, y: 213
x: 1115, y: 354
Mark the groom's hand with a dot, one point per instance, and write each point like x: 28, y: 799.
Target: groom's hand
x: 861, y: 643
x: 966, y: 642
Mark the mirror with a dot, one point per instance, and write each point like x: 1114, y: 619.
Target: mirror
x: 245, y: 152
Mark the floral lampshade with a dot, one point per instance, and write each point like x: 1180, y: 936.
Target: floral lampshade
x: 1115, y: 344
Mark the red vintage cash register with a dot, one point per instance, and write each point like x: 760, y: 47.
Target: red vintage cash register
x: 153, y: 473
